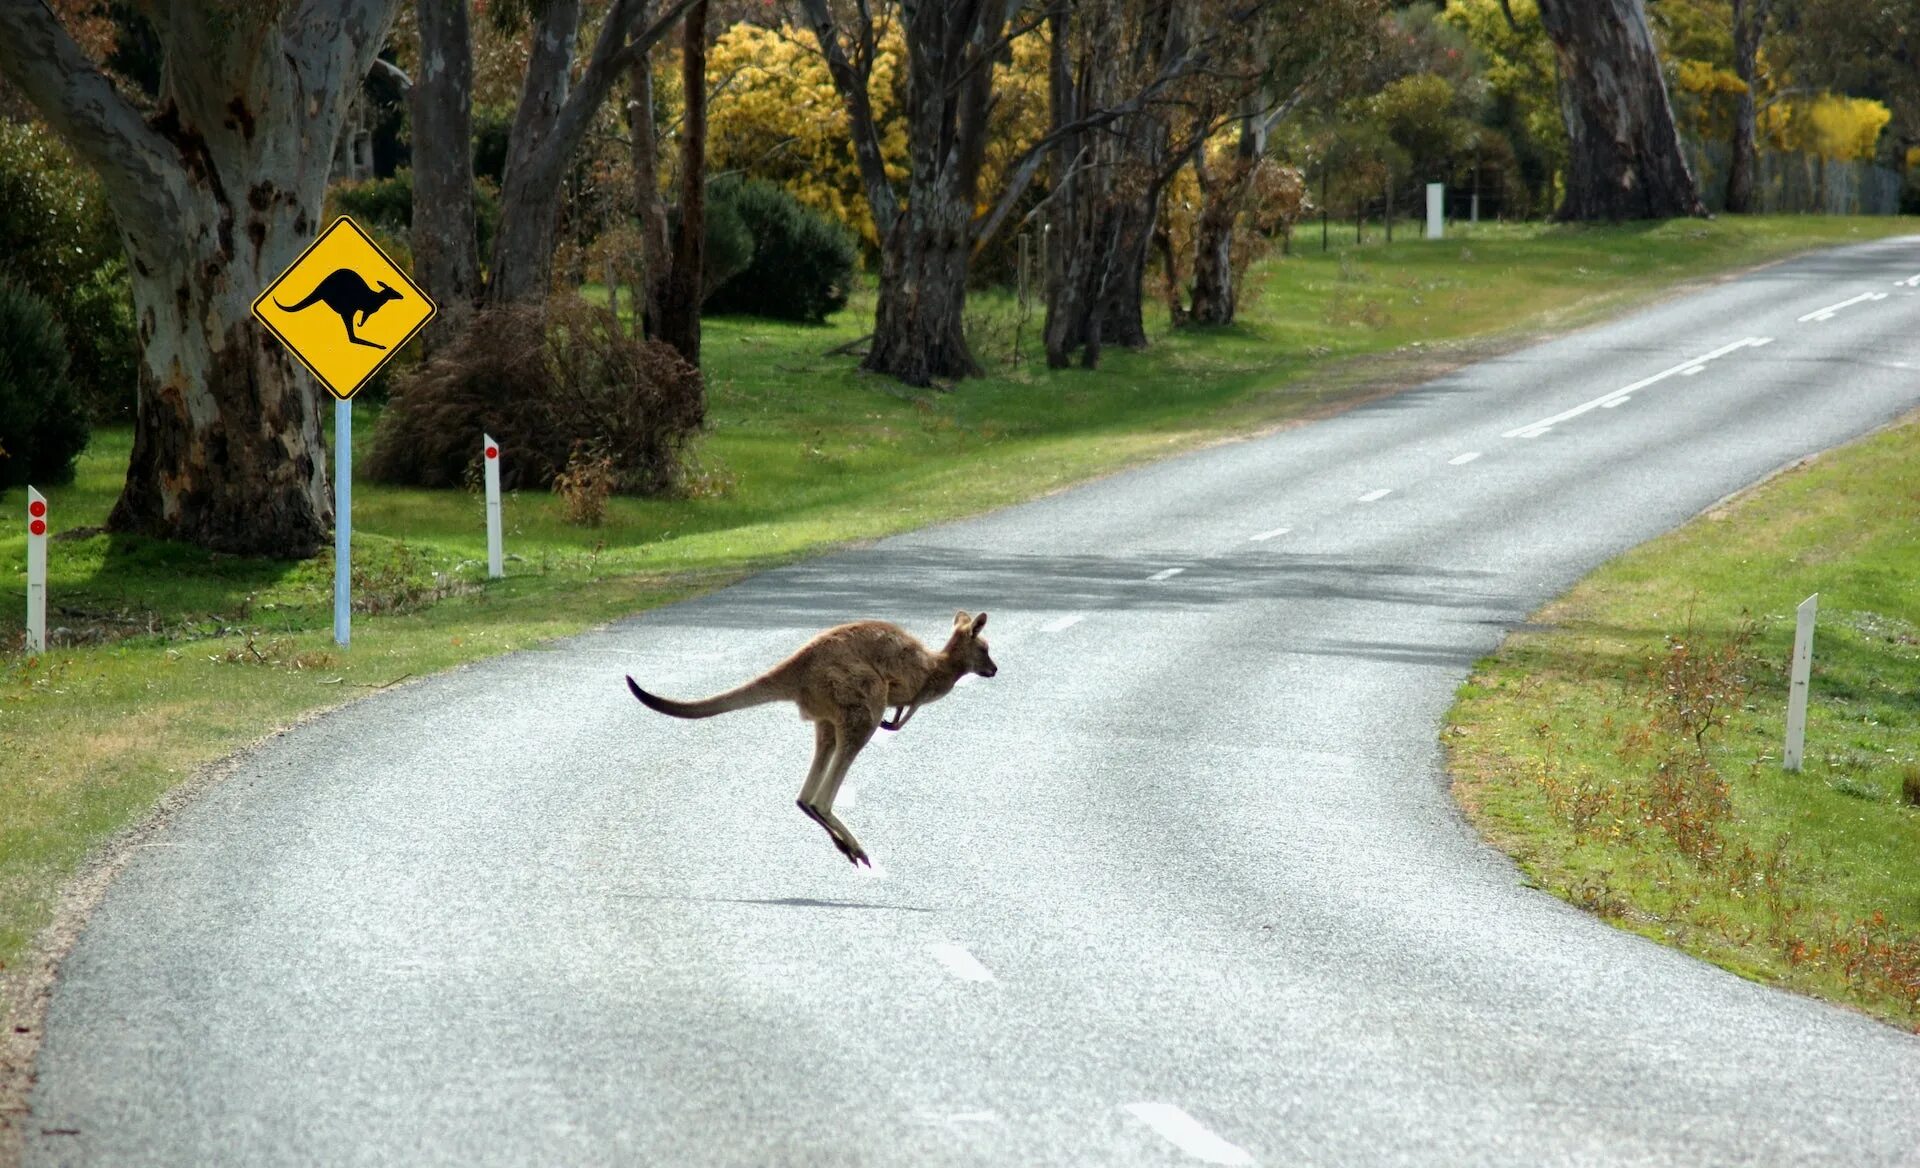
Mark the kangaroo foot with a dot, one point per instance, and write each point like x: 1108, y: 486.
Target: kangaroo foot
x: 852, y: 850
x: 849, y: 847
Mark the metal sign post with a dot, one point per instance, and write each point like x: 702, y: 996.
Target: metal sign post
x: 1797, y: 694
x: 36, y: 571
x: 344, y: 308
x: 491, y: 449
x: 342, y: 521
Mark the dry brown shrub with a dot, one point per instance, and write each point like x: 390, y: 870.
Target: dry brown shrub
x: 586, y: 484
x: 542, y: 380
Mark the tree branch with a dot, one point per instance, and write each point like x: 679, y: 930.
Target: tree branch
x: 1025, y: 170
x: 142, y: 171
x: 882, y: 200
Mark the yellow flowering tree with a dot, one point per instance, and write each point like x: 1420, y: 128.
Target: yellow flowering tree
x: 774, y: 114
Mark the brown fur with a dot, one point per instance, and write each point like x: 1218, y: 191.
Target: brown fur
x: 843, y: 681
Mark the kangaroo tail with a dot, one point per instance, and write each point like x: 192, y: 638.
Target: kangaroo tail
x: 315, y: 295
x: 759, y: 691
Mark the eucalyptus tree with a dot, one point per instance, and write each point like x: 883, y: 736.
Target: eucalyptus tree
x: 1623, y: 152
x: 215, y: 186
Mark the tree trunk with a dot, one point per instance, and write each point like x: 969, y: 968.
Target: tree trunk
x: 1220, y: 201
x: 680, y: 307
x: 1110, y: 202
x: 1123, y: 292
x: 1624, y: 159
x: 523, y: 241
x: 446, y: 258
x: 655, y: 244
x: 548, y: 126
x: 1749, y: 16
x: 918, y: 329
x: 214, y: 196
x: 951, y: 51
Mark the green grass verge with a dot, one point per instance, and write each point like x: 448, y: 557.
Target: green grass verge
x: 175, y: 658
x: 1570, y: 746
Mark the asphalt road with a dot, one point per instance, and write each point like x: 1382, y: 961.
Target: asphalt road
x: 1183, y: 884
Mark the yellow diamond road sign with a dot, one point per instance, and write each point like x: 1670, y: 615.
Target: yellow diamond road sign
x: 343, y: 307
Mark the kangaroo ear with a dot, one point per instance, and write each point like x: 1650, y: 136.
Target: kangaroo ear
x: 979, y: 622
x: 960, y: 619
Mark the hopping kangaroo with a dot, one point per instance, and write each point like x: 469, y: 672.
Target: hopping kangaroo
x: 347, y: 294
x: 843, y: 681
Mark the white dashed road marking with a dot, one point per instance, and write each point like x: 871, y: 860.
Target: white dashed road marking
x: 1064, y: 623
x: 1909, y: 282
x: 1827, y: 312
x: 1188, y: 1134
x: 959, y: 962
x: 1620, y: 396
x: 1166, y: 574
x: 1376, y: 496
x: 1267, y: 535
x: 1463, y: 459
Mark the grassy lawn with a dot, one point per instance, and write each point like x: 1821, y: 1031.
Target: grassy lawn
x: 173, y: 658
x: 1629, y: 756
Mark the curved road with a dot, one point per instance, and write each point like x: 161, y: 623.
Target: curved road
x: 1181, y: 885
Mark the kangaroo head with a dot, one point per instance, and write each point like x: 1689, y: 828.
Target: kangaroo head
x: 387, y: 292
x: 969, y: 647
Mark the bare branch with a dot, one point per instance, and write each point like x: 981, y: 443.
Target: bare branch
x: 882, y: 200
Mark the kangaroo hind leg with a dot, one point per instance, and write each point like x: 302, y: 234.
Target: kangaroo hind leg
x: 823, y: 740
x: 854, y: 732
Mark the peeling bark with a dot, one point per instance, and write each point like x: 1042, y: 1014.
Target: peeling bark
x: 1623, y: 153
x: 214, y: 196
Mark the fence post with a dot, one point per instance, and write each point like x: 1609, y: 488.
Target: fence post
x: 1797, y: 693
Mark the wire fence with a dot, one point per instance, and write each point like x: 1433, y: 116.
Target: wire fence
x: 1795, y: 183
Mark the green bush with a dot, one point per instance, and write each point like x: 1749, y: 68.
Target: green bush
x: 42, y: 428
x: 100, y: 337
x: 386, y: 204
x: 802, y: 260
x: 58, y: 240
x: 730, y: 243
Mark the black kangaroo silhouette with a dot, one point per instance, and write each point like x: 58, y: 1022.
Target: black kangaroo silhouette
x: 347, y: 293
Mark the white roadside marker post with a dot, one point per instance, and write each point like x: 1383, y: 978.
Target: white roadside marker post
x: 1436, y: 210
x: 491, y: 449
x: 36, y: 571
x: 1797, y: 693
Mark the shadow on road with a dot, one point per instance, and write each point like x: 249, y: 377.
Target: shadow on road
x: 896, y: 582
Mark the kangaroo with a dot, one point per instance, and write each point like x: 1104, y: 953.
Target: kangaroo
x: 347, y: 294
x: 843, y: 681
